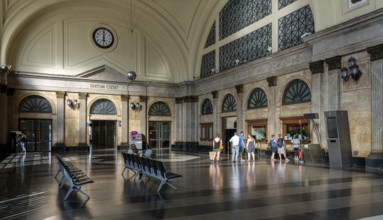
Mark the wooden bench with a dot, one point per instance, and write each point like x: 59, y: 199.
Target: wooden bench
x: 142, y: 166
x: 72, y: 175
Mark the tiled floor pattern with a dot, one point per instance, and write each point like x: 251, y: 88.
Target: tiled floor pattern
x: 248, y: 190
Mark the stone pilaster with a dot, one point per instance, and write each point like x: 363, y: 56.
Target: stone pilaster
x: 217, y: 123
x: 143, y: 122
x: 60, y: 97
x: 83, y: 120
x: 374, y: 161
x: 334, y: 80
x: 124, y: 121
x: 272, y: 122
x: 4, y: 121
x: 317, y: 70
x: 240, y: 113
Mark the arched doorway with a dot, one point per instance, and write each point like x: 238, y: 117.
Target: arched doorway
x: 159, y: 126
x: 38, y: 130
x: 103, y: 129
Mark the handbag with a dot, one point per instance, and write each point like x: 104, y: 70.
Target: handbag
x: 221, y: 146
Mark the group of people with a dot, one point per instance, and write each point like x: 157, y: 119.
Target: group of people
x: 277, y: 145
x: 237, y: 147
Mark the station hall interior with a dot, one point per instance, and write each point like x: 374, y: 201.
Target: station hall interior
x: 83, y: 80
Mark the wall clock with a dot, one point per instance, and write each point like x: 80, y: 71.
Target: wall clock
x: 103, y: 37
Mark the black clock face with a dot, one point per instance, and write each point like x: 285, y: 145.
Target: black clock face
x: 103, y: 37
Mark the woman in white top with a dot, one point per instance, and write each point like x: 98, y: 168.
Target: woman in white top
x: 296, y: 142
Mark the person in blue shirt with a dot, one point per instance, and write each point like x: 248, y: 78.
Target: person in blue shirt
x: 241, y: 146
x: 273, y: 145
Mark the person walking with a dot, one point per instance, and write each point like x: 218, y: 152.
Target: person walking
x: 250, y: 147
x: 241, y: 146
x: 22, y: 141
x: 273, y: 146
x: 216, y: 147
x: 281, y: 147
x: 234, y: 147
x: 296, y: 142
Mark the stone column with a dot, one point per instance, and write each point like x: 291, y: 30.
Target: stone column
x: 179, y: 126
x: 317, y: 70
x: 125, y: 122
x: 82, y: 120
x: 60, y: 96
x: 374, y: 162
x: 334, y: 65
x: 272, y: 121
x: 240, y: 118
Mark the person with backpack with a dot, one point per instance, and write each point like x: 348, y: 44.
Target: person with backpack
x: 281, y: 147
x: 273, y: 145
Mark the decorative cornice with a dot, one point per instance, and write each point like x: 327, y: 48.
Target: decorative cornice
x: 316, y: 67
x: 376, y: 52
x: 239, y: 88
x: 215, y: 94
x: 272, y: 81
x: 334, y: 63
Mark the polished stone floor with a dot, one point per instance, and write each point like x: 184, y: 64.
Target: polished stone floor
x: 262, y: 189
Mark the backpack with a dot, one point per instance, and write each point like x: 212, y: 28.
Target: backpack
x: 280, y: 142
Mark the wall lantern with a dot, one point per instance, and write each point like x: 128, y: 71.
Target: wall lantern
x: 135, y: 106
x: 72, y: 103
x: 352, y: 70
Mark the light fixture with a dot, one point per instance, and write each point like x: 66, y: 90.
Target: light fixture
x: 132, y: 75
x: 72, y: 103
x: 135, y: 106
x: 270, y: 49
x: 352, y: 70
x: 212, y: 71
x: 236, y: 62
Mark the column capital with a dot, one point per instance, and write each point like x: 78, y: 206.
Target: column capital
x: 239, y: 88
x: 272, y: 80
x: 376, y: 52
x: 334, y: 63
x: 316, y: 67
x: 82, y: 95
x: 60, y: 95
x: 215, y: 94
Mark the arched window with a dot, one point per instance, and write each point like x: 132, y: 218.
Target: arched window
x: 229, y: 104
x: 257, y: 99
x: 207, y: 107
x: 296, y: 92
x: 35, y: 104
x: 103, y: 107
x: 159, y: 109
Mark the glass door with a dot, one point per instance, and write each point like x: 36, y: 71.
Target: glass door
x: 39, y: 134
x: 159, y: 134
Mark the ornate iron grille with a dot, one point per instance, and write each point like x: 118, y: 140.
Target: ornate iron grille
x: 257, y: 99
x: 35, y: 104
x: 211, y: 38
x: 103, y: 107
x: 238, y: 14
x: 208, y: 63
x: 248, y: 48
x: 293, y: 26
x: 207, y: 107
x: 229, y: 104
x: 159, y: 109
x: 296, y: 92
x: 284, y: 3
